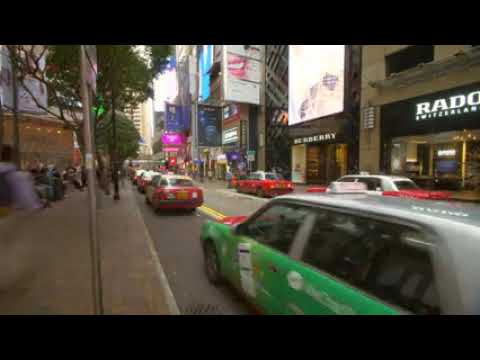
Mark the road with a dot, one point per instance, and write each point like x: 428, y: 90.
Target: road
x: 177, y: 239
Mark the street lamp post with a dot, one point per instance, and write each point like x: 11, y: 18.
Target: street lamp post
x: 116, y: 194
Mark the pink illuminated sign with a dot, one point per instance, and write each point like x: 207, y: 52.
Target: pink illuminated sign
x: 170, y: 149
x: 173, y: 139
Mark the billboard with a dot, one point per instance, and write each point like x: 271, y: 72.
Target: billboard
x: 205, y: 64
x: 177, y: 117
x: 231, y: 136
x: 242, y: 73
x: 209, y: 126
x: 173, y: 139
x: 316, y: 81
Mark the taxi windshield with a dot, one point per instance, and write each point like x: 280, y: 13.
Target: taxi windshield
x: 406, y: 185
x: 180, y: 182
x: 272, y: 176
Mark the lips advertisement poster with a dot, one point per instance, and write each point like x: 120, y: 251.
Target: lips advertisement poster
x: 242, y: 73
x: 209, y: 126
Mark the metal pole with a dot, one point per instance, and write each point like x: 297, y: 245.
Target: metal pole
x: 1, y: 129
x: 89, y: 165
x: 16, y: 121
x: 116, y: 194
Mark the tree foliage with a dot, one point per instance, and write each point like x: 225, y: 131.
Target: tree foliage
x: 126, y: 71
x: 128, y: 137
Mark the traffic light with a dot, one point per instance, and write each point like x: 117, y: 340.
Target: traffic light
x: 100, y: 108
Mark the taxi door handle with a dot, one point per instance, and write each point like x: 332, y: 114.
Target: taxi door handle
x: 272, y: 268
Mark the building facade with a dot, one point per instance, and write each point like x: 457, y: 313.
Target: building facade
x: 421, y: 113
x: 326, y: 148
x: 42, y: 140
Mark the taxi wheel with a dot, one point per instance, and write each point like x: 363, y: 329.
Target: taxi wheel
x: 147, y: 200
x: 260, y: 193
x: 212, y: 267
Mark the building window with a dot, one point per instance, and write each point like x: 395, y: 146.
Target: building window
x: 408, y: 58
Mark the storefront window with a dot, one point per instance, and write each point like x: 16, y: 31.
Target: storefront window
x: 448, y: 160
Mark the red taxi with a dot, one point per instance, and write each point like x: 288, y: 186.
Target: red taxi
x: 145, y: 180
x: 137, y: 175
x: 264, y: 184
x: 173, y: 192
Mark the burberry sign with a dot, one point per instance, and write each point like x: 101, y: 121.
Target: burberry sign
x: 315, y: 138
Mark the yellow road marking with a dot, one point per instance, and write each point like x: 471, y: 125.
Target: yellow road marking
x: 213, y: 213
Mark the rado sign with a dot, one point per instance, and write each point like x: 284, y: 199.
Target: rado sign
x: 447, y: 110
x: 451, y: 106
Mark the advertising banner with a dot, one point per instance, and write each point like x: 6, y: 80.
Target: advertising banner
x: 316, y: 81
x: 177, y: 117
x: 173, y: 139
x: 242, y: 73
x: 209, y: 126
x: 231, y: 136
x: 205, y: 64
x: 251, y: 51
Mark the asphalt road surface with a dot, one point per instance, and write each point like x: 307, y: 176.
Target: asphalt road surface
x: 177, y: 239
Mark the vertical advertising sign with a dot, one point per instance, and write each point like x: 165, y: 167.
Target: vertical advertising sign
x: 209, y: 126
x: 242, y: 73
x: 205, y: 64
x: 316, y: 81
x: 177, y: 117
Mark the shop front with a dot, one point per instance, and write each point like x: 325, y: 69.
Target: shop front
x: 319, y: 159
x: 434, y: 139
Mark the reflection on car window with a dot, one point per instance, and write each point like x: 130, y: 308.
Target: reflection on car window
x: 406, y: 185
x: 272, y: 176
x: 180, y: 182
x: 156, y: 180
x: 346, y: 179
x: 164, y: 182
x: 370, y: 255
x: 372, y: 183
x: 277, y: 226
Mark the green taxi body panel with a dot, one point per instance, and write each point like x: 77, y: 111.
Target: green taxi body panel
x: 280, y: 285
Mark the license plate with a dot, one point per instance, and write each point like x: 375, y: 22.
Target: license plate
x: 182, y: 195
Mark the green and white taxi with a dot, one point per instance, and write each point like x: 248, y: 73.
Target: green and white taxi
x: 350, y: 253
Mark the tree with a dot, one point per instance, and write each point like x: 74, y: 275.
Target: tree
x: 132, y: 70
x: 128, y: 137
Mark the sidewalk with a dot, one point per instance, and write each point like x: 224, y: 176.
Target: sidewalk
x: 55, y: 245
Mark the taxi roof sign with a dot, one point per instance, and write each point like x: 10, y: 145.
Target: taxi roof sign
x: 337, y: 187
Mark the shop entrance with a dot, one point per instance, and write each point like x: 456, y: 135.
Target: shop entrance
x: 446, y: 161
x: 326, y: 162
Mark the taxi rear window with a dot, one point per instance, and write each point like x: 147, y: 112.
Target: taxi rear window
x: 373, y: 256
x: 405, y: 185
x: 272, y: 176
x: 180, y: 182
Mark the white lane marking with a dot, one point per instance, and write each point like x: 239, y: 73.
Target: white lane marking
x: 235, y: 194
x: 170, y: 299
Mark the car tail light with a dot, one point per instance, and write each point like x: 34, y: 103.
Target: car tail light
x: 318, y: 189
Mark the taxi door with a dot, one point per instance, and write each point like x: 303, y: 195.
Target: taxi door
x: 262, y: 263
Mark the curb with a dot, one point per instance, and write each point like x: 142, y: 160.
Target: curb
x: 170, y: 299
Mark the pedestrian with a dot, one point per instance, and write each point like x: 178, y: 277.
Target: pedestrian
x: 84, y: 176
x: 17, y: 190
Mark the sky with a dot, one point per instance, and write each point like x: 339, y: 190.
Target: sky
x: 165, y: 86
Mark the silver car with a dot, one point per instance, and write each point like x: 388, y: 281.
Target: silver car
x: 417, y: 256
